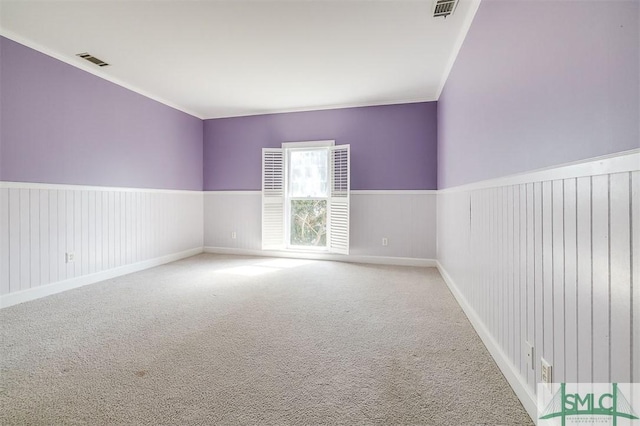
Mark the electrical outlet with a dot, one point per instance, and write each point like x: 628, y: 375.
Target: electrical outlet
x: 385, y: 241
x: 547, y: 373
x: 70, y: 257
x: 233, y: 235
x: 530, y: 355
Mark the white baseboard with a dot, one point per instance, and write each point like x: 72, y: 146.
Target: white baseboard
x: 60, y: 286
x: 509, y: 370
x: 378, y: 260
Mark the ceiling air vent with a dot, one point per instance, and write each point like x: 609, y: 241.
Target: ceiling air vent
x: 444, y: 8
x: 93, y: 59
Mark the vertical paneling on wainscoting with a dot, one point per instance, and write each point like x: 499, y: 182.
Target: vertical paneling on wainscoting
x: 553, y: 263
x: 408, y: 221
x: 105, y: 228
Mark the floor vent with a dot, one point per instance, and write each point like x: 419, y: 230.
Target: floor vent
x: 444, y: 8
x: 93, y: 59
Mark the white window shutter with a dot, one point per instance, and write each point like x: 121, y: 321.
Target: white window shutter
x: 339, y: 199
x: 272, y: 199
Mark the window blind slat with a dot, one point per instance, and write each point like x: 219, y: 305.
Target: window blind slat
x: 272, y: 199
x: 339, y: 200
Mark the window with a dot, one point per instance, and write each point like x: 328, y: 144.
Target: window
x: 305, y: 197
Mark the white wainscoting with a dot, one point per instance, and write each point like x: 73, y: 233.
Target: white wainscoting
x: 553, y: 261
x: 107, y: 229
x: 406, y: 218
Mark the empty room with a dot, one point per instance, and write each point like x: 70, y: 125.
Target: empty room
x: 412, y: 212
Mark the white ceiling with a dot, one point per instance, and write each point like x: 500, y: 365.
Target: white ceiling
x: 231, y: 58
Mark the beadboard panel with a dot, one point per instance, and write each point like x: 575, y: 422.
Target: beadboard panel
x: 408, y: 221
x: 553, y: 263
x: 105, y: 228
x: 227, y: 212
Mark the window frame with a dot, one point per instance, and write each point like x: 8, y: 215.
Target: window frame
x: 288, y: 148
x: 274, y: 226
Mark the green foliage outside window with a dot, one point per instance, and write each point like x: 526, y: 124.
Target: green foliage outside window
x: 309, y: 223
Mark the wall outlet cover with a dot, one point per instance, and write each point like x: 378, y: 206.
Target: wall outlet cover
x: 530, y: 355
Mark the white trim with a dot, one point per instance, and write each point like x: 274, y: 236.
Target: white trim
x: 76, y: 62
x: 60, y: 186
x: 232, y: 192
x: 517, y: 382
x: 466, y: 25
x: 619, y: 162
x: 377, y: 260
x: 60, y: 286
x: 417, y: 100
x: 308, y: 144
x: 353, y: 192
x: 394, y: 192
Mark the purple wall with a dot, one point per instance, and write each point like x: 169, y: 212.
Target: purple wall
x: 392, y: 146
x: 538, y: 84
x: 60, y: 124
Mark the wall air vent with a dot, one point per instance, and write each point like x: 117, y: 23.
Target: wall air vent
x: 93, y: 59
x: 444, y: 8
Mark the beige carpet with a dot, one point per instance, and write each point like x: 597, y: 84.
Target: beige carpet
x: 215, y: 340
